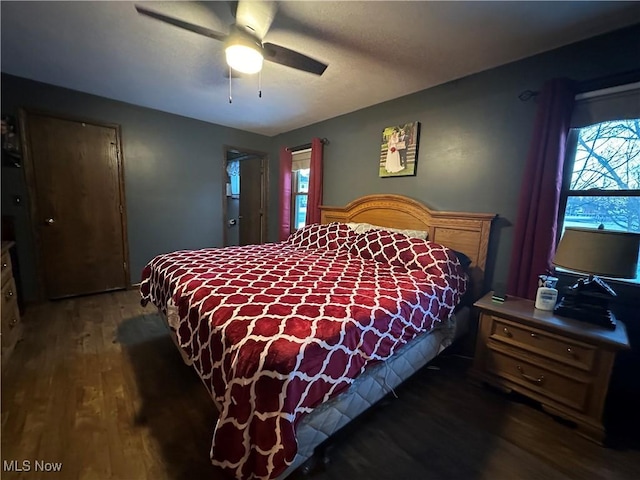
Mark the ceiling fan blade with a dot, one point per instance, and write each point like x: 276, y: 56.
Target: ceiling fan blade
x: 290, y: 58
x: 233, y: 7
x: 256, y: 16
x: 181, y: 24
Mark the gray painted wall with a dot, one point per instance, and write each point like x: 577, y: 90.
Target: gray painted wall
x: 473, y: 146
x: 173, y: 173
x: 474, y: 139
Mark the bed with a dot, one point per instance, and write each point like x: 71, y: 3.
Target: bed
x: 293, y: 340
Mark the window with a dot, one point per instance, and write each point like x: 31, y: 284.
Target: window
x: 602, y: 181
x: 300, y: 170
x: 233, y: 185
x: 299, y: 194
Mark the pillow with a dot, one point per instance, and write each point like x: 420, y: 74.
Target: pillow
x: 465, y: 261
x: 329, y: 236
x: 365, y: 227
x: 399, y: 250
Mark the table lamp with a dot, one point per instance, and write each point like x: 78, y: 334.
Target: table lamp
x: 596, y: 252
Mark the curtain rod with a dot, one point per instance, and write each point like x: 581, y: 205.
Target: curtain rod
x: 599, y: 83
x: 324, y: 141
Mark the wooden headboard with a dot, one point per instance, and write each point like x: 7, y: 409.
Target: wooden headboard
x: 465, y: 232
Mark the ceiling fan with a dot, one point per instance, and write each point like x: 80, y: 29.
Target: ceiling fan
x: 245, y: 49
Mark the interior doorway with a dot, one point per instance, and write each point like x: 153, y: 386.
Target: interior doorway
x: 245, y: 197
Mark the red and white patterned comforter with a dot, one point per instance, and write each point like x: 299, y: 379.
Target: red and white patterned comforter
x: 274, y: 330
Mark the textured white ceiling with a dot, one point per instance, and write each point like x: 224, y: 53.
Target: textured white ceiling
x: 376, y: 51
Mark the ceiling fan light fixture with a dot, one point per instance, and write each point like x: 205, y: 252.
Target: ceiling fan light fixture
x: 244, y: 59
x: 243, y: 52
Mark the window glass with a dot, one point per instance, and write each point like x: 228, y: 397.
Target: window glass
x: 235, y: 185
x: 608, y: 156
x: 614, y: 213
x: 300, y: 211
x: 303, y: 181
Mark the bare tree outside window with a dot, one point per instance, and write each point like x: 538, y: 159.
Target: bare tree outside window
x: 605, y: 177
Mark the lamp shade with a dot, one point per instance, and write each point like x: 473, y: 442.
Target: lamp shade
x: 599, y: 252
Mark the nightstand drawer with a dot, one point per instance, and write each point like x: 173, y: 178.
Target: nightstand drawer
x: 568, y: 391
x: 555, y: 347
x: 10, y: 321
x: 6, y: 267
x: 9, y: 293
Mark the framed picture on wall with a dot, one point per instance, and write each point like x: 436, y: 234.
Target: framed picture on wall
x: 399, y: 150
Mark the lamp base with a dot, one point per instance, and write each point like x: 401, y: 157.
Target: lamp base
x: 586, y: 313
x: 588, y: 301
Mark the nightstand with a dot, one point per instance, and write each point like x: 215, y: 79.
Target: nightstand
x: 562, y: 363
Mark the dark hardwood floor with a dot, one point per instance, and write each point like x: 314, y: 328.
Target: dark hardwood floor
x: 97, y: 384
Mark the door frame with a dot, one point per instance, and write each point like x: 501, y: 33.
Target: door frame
x: 264, y: 164
x: 29, y: 177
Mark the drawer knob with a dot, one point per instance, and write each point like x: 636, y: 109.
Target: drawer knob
x: 506, y: 331
x: 533, y: 335
x: 4, y: 265
x: 14, y: 321
x: 8, y: 295
x: 570, y: 351
x: 529, y: 378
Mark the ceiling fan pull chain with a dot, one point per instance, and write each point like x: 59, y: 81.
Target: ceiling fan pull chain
x: 260, y: 84
x: 230, y: 99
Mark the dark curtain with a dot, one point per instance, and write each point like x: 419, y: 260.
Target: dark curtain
x: 535, y: 233
x: 314, y: 199
x: 285, y: 193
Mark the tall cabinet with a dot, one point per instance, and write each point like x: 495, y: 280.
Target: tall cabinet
x: 11, y: 327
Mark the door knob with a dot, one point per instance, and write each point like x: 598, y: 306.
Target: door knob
x: 49, y: 221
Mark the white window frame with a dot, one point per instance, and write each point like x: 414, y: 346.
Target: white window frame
x: 301, y: 160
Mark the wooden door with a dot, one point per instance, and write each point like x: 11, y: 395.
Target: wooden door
x: 74, y: 172
x: 251, y: 209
